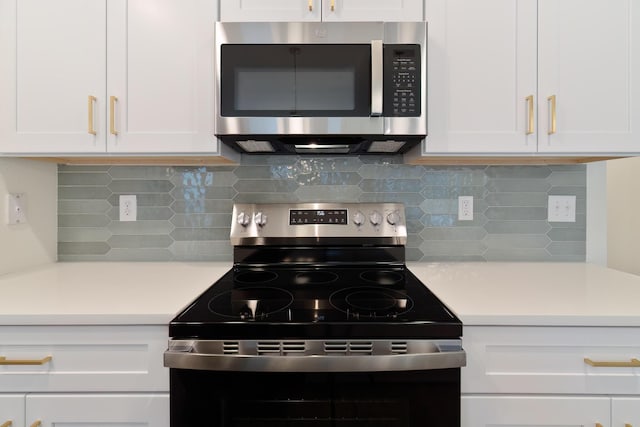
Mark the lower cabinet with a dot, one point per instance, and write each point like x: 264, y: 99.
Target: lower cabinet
x: 118, y: 410
x: 551, y: 377
x: 83, y: 375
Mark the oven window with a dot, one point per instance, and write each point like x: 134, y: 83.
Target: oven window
x: 295, y: 80
x: 382, y: 399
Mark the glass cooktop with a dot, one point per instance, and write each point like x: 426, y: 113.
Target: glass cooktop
x: 317, y: 303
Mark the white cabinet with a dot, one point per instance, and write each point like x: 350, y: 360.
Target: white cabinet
x: 589, y: 60
x: 113, y: 76
x: 481, y: 69
x: 508, y: 411
x: 551, y: 376
x: 496, y: 68
x: 12, y: 409
x: 86, y: 375
x: 118, y: 410
x: 625, y: 412
x: 321, y: 10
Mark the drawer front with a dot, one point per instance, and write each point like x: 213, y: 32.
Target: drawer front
x: 551, y: 360
x: 12, y: 409
x: 83, y: 358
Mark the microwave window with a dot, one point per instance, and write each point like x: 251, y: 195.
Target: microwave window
x: 295, y: 80
x: 284, y: 90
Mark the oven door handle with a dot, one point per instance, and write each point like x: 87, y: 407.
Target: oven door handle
x: 311, y: 363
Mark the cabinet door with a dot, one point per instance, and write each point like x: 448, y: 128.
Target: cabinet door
x: 625, y: 412
x: 121, y: 410
x: 12, y: 409
x: 372, y: 10
x: 496, y: 411
x: 481, y: 69
x: 160, y: 71
x: 53, y: 61
x: 271, y: 10
x: 589, y: 60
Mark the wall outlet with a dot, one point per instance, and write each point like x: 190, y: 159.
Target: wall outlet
x: 562, y: 209
x: 128, y: 208
x: 16, y: 208
x: 465, y: 208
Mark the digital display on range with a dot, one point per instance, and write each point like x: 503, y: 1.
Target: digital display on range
x: 317, y: 216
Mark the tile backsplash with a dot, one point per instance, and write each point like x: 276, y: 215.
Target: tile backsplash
x: 184, y: 213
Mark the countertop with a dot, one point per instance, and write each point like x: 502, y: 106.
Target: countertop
x: 555, y: 294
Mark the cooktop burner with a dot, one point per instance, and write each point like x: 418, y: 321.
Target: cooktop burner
x: 369, y: 301
x: 381, y: 277
x: 250, y: 303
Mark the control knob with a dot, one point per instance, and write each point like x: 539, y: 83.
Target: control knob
x: 393, y: 218
x: 260, y: 219
x: 375, y: 217
x: 358, y: 218
x: 243, y: 219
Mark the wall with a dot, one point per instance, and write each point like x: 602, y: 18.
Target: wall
x: 34, y: 243
x: 184, y: 212
x: 623, y: 219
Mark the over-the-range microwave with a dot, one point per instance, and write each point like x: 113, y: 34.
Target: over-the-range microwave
x: 321, y: 87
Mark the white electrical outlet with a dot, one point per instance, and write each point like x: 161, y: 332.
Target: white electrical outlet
x: 128, y: 208
x: 16, y: 208
x: 465, y: 208
x: 562, y: 209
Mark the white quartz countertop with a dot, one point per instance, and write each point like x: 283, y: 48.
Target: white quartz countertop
x: 562, y: 294
x: 536, y: 294
x: 105, y: 293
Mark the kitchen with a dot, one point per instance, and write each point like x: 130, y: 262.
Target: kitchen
x: 89, y: 229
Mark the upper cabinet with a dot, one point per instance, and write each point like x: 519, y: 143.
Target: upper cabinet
x: 481, y: 76
x: 320, y: 10
x: 527, y: 76
x: 589, y: 67
x: 98, y: 76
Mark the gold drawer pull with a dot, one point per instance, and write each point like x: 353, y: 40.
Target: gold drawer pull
x: 633, y: 363
x: 38, y: 423
x: 6, y: 424
x: 5, y: 361
x: 598, y: 425
x: 628, y: 425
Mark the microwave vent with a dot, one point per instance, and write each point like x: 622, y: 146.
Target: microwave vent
x: 385, y: 146
x: 253, y: 146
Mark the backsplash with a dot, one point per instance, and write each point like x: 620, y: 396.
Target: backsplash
x: 184, y: 213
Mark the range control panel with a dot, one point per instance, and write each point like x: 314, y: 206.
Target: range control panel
x: 318, y: 220
x: 402, y: 80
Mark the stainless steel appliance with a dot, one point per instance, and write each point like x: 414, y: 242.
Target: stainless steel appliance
x: 318, y: 323
x: 321, y: 87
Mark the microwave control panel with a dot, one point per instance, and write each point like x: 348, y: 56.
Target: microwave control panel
x: 402, y: 86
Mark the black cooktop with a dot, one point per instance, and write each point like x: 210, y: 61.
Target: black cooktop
x: 324, y: 302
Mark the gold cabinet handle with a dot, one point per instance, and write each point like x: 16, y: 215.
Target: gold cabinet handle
x: 6, y: 424
x: 633, y: 363
x: 36, y: 423
x: 598, y: 425
x: 112, y: 115
x: 628, y: 425
x: 92, y: 100
x: 552, y: 128
x: 310, y: 5
x: 333, y: 5
x: 5, y: 361
x: 530, y: 116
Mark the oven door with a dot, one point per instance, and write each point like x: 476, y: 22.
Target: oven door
x: 256, y: 399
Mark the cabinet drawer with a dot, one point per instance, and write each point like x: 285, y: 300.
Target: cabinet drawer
x: 83, y: 358
x: 550, y: 360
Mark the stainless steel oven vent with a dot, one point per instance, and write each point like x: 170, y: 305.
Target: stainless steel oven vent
x: 280, y: 347
x: 230, y: 347
x: 348, y: 347
x: 399, y: 347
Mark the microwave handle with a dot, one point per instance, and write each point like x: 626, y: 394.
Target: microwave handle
x: 376, y: 77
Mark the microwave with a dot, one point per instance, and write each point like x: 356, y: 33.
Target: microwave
x: 321, y: 87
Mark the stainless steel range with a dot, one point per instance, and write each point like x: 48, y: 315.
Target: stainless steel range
x: 319, y: 322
